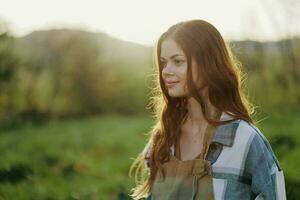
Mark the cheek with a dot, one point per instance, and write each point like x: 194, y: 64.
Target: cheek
x: 183, y: 76
x: 182, y: 73
x: 183, y: 85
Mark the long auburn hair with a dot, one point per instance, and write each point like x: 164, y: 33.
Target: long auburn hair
x: 220, y: 72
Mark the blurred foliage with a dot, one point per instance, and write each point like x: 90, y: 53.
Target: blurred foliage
x: 89, y: 159
x: 74, y: 73
x: 66, y: 73
x: 273, y: 72
x: 9, y: 63
x: 70, y: 159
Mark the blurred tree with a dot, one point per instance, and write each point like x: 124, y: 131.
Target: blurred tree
x: 8, y: 67
x: 285, y: 22
x: 84, y: 73
x: 63, y: 70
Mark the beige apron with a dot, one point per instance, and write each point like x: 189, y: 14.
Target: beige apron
x: 185, y: 180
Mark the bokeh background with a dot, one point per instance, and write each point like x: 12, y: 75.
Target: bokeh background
x: 75, y: 80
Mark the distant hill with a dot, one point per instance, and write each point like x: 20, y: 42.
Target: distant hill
x: 40, y: 43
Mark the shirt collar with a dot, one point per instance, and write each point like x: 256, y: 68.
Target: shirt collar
x: 225, y: 133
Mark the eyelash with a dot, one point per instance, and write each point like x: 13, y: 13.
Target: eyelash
x: 176, y: 61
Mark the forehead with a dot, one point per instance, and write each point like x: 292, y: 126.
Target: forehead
x: 169, y: 47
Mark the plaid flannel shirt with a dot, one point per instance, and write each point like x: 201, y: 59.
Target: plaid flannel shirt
x: 243, y: 162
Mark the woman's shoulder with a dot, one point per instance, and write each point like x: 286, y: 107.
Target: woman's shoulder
x: 260, y: 149
x: 252, y: 139
x: 247, y: 162
x: 237, y: 134
x: 244, y: 146
x: 249, y: 148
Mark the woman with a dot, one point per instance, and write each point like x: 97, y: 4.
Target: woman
x: 204, y: 144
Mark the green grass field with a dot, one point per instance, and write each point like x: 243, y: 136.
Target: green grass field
x: 90, y: 158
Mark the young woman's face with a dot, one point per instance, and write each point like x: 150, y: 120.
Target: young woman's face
x: 174, y: 72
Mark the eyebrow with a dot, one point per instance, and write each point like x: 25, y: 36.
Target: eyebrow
x: 173, y: 56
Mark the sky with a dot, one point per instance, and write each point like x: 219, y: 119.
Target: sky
x: 143, y: 21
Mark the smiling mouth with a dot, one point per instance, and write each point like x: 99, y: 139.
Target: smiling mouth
x: 171, y: 84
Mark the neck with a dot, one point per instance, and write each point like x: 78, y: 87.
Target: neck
x: 194, y: 114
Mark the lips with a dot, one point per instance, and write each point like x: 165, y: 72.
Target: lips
x: 171, y: 83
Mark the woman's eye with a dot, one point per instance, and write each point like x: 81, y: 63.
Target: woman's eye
x: 178, y: 61
x: 163, y: 63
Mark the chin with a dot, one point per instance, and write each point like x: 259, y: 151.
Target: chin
x: 176, y: 95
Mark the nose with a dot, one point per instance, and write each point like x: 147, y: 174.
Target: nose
x: 167, y: 70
